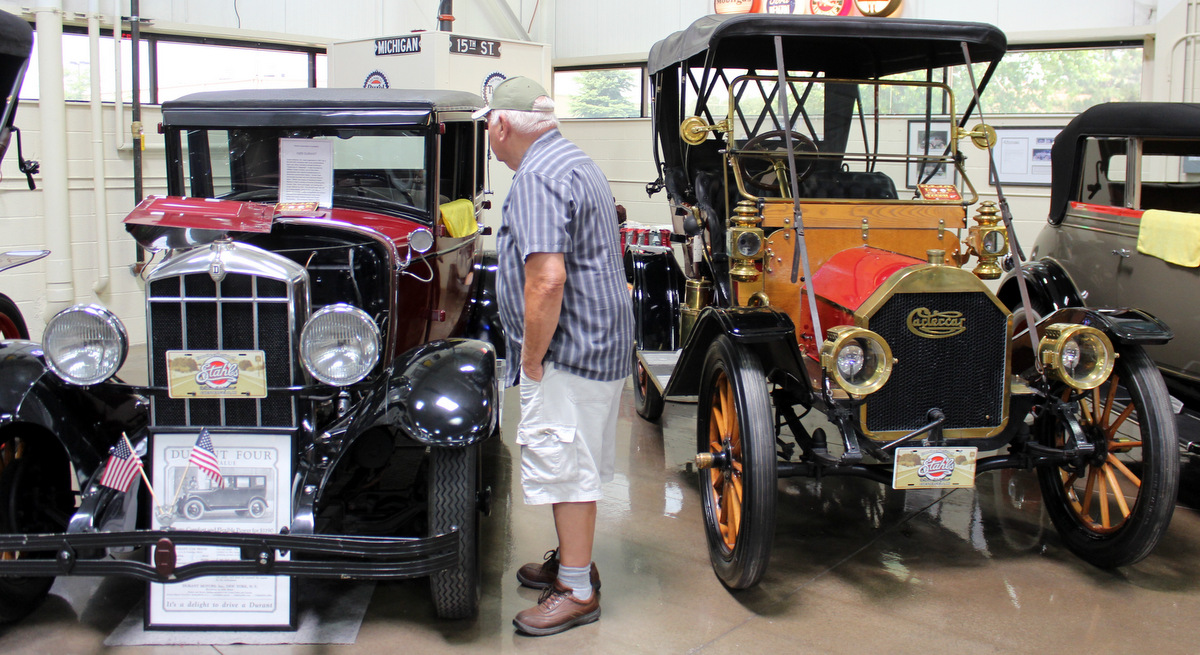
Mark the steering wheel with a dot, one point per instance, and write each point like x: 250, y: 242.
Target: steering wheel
x: 381, y: 192
x: 765, y: 172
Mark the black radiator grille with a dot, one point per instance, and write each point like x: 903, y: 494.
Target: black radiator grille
x: 963, y: 375
x: 248, y: 313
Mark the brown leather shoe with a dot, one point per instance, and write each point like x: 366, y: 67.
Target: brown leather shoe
x: 558, y: 610
x: 541, y: 576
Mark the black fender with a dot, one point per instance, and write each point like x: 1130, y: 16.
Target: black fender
x: 658, y: 288
x: 86, y: 421
x: 769, y: 333
x: 1047, y: 282
x: 483, y: 311
x: 1121, y: 324
x: 443, y: 393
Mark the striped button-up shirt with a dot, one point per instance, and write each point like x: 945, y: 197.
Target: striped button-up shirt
x: 560, y: 202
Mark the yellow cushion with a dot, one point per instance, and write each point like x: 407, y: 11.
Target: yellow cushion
x: 1170, y: 236
x: 459, y: 217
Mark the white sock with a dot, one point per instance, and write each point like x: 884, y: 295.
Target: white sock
x: 578, y: 578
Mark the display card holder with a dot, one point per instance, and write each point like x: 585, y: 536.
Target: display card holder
x: 254, y: 496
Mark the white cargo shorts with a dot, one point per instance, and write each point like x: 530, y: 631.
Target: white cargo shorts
x: 567, y: 436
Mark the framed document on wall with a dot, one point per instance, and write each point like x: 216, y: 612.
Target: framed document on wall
x: 1022, y: 155
x: 227, y: 482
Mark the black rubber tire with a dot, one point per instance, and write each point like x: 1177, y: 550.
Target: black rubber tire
x: 646, y: 398
x: 193, y: 509
x: 35, y: 497
x: 453, y: 503
x: 741, y: 564
x: 257, y: 508
x: 12, y: 323
x: 1155, y: 463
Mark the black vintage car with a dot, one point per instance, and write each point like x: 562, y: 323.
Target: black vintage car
x: 360, y: 330
x: 823, y: 315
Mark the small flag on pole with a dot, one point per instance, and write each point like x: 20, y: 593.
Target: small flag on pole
x: 205, y: 458
x: 122, y: 467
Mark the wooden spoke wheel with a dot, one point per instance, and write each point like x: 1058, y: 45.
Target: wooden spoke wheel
x: 1113, y: 511
x: 646, y: 398
x: 737, y: 493
x: 768, y: 173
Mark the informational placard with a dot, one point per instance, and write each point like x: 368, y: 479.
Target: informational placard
x: 251, y: 494
x: 1022, y: 155
x: 306, y: 171
x: 928, y: 139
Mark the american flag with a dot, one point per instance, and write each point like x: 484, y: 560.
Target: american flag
x: 205, y: 458
x: 122, y: 467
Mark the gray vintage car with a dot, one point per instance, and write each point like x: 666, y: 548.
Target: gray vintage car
x: 1124, y: 229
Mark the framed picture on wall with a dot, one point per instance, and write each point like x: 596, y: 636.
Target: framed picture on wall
x: 1022, y: 155
x: 929, y: 138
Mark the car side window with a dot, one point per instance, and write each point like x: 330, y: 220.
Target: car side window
x: 1104, y: 172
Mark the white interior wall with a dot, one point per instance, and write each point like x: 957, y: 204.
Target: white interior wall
x: 615, y: 30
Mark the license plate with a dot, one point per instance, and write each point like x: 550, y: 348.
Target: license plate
x: 216, y: 374
x: 934, y: 467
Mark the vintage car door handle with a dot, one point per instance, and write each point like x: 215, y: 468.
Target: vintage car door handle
x: 1121, y: 252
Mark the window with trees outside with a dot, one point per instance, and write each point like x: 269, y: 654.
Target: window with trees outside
x: 174, y: 66
x: 617, y: 92
x: 1057, y: 81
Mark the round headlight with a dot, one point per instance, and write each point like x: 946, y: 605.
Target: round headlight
x: 339, y: 345
x: 1079, y: 355
x: 85, y: 344
x: 857, y: 359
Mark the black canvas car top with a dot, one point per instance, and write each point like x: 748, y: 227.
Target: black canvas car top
x: 315, y: 106
x: 1113, y: 119
x: 837, y: 46
x: 16, y: 37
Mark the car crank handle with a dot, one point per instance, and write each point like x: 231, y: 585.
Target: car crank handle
x: 937, y: 419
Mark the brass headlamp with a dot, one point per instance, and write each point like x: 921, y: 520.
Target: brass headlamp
x: 1081, y: 356
x: 858, y: 360
x: 988, y: 241
x: 745, y: 241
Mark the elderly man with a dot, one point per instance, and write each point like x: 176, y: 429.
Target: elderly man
x: 566, y: 312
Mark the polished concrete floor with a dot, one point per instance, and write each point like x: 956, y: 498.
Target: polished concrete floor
x: 855, y: 568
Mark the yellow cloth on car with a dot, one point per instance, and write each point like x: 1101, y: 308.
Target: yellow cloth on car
x: 1171, y: 236
x: 459, y: 217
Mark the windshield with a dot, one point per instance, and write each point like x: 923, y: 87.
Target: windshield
x: 376, y: 167
x: 852, y: 138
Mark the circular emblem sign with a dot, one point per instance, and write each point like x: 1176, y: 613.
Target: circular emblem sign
x: 937, y: 466
x: 376, y: 80
x: 217, y: 373
x: 878, y: 7
x: 831, y: 7
x: 490, y: 82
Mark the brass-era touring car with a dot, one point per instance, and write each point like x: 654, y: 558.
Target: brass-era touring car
x: 872, y: 321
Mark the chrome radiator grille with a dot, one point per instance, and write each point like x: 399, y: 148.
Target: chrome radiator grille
x: 191, y: 311
x: 963, y: 375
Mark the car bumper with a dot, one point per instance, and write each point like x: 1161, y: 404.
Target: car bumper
x: 311, y: 556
